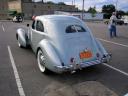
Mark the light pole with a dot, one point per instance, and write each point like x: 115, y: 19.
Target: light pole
x: 116, y: 6
x: 83, y: 10
x: 73, y: 2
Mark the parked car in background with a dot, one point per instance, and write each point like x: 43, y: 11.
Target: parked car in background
x: 125, y: 19
x: 17, y: 19
x: 119, y: 21
x: 62, y: 43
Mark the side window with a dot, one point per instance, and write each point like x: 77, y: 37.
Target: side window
x: 80, y: 28
x: 33, y: 25
x: 70, y: 29
x: 39, y: 26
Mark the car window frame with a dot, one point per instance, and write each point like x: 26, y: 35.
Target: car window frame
x: 33, y: 25
x: 81, y: 27
x: 40, y: 30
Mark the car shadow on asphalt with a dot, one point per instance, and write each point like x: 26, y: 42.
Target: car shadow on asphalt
x: 91, y: 73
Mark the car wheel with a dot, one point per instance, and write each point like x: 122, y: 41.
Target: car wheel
x: 41, y: 60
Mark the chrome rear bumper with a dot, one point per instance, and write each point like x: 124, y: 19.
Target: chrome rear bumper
x: 72, y: 67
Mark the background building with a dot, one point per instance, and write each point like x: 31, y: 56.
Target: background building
x: 3, y: 9
x: 15, y: 6
x: 30, y: 8
x: 86, y: 16
x: 38, y: 8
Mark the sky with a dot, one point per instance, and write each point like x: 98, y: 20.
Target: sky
x: 121, y: 4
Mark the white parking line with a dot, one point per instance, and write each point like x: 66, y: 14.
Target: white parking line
x: 126, y: 74
x: 120, y: 71
x: 113, y: 42
x: 3, y: 28
x: 18, y: 81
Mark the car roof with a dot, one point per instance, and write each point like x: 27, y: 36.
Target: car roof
x: 57, y: 17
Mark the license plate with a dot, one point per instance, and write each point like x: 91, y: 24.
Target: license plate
x: 85, y: 55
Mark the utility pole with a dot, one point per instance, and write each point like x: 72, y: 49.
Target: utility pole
x: 116, y: 8
x: 116, y: 4
x: 83, y: 10
x: 74, y: 2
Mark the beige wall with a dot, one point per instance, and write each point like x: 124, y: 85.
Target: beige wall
x: 15, y: 5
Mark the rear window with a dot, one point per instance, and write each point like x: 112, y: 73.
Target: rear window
x: 75, y: 28
x: 80, y: 28
x: 70, y: 29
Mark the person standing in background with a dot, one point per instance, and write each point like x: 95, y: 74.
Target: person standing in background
x: 112, y: 25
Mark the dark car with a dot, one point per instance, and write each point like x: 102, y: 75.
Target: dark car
x: 118, y: 21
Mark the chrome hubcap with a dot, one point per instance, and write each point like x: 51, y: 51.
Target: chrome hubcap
x: 41, y: 61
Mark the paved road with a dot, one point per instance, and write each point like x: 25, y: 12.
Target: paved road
x: 34, y: 82
x: 8, y: 85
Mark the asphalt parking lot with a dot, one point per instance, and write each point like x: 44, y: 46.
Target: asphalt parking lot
x: 32, y: 82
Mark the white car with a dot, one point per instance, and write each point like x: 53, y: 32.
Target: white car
x: 62, y: 43
x: 126, y: 21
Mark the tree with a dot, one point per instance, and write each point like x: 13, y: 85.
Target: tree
x: 107, y: 10
x: 12, y: 13
x: 126, y: 13
x: 61, y: 3
x: 50, y: 2
x: 120, y: 13
x: 92, y: 10
x: 20, y: 14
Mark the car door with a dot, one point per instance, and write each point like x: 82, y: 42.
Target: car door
x: 37, y: 33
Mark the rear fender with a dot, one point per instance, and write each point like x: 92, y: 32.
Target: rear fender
x: 106, y: 56
x: 21, y: 37
x: 49, y: 50
x: 98, y: 44
x: 101, y: 48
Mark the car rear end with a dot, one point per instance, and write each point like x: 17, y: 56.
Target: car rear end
x: 78, y: 48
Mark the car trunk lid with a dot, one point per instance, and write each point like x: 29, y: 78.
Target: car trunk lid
x: 78, y: 48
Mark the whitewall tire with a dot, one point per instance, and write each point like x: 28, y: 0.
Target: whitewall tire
x: 41, y: 60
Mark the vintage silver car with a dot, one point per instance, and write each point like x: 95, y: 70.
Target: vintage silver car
x: 62, y: 43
